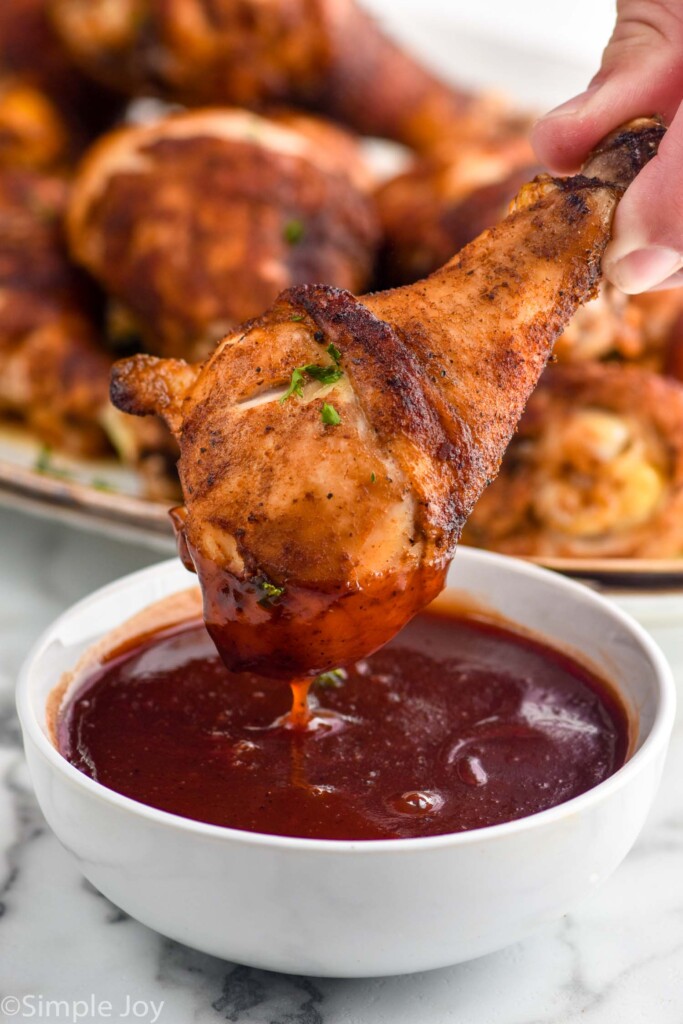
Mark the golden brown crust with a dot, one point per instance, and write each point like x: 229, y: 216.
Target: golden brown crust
x: 54, y: 376
x: 315, y: 537
x: 195, y: 224
x: 595, y: 470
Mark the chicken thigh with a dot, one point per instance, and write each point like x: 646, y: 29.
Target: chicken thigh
x: 332, y: 450
x: 197, y: 222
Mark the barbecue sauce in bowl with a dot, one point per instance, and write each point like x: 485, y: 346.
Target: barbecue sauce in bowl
x: 456, y: 724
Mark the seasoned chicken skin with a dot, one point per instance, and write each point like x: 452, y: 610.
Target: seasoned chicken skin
x: 53, y: 375
x: 595, y: 470
x: 327, y: 55
x: 197, y: 222
x: 332, y: 450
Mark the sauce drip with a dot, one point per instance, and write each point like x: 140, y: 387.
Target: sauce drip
x: 454, y: 725
x: 300, y: 715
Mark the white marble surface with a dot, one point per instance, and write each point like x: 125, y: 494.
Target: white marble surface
x: 617, y: 960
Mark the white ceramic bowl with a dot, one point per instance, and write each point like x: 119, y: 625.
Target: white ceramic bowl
x: 352, y: 909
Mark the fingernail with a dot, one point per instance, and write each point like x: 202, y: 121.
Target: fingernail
x: 574, y: 105
x: 644, y: 268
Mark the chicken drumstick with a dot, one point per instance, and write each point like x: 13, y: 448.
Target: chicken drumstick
x: 332, y: 450
x: 327, y: 55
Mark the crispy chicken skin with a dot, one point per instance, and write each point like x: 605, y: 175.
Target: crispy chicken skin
x: 316, y: 537
x: 53, y: 375
x: 327, y: 55
x: 48, y: 108
x: 196, y: 223
x: 596, y: 469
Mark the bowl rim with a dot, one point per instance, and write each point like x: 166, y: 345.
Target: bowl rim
x: 652, y: 746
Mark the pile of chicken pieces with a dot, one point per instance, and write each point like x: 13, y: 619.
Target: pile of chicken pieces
x: 161, y: 227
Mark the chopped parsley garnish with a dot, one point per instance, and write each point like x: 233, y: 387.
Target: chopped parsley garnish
x: 293, y: 232
x: 270, y: 593
x: 372, y: 478
x: 334, y: 352
x: 43, y: 460
x: 44, y: 464
x: 297, y: 318
x: 330, y: 416
x: 296, y: 385
x: 323, y: 374
x: 331, y: 680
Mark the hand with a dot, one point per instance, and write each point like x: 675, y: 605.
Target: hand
x: 641, y: 74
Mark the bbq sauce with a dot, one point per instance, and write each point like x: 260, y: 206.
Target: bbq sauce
x: 455, y: 724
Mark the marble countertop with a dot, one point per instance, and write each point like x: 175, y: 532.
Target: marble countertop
x: 617, y: 960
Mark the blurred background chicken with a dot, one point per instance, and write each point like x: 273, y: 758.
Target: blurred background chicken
x: 53, y: 372
x: 195, y: 223
x: 49, y: 110
x: 595, y: 470
x: 325, y: 55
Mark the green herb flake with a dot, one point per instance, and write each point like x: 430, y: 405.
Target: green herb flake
x: 330, y: 416
x: 323, y: 374
x: 331, y: 680
x: 296, y: 385
x: 43, y: 460
x: 101, y: 485
x: 44, y: 464
x: 270, y: 593
x: 334, y: 352
x: 296, y: 318
x: 372, y: 478
x: 293, y: 232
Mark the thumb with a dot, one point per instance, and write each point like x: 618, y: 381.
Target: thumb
x: 647, y: 234
x: 641, y: 74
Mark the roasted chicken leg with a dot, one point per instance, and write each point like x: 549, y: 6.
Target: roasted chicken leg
x: 327, y: 55
x: 332, y: 450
